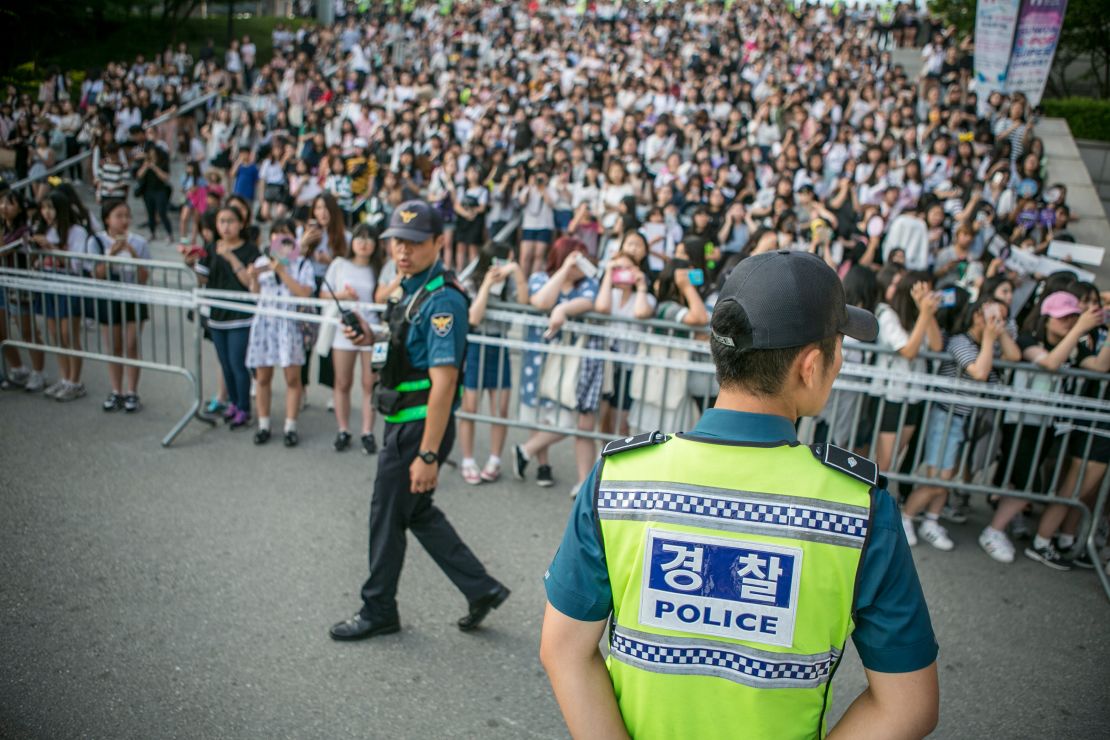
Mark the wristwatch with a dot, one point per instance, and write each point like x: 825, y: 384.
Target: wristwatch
x: 429, y: 457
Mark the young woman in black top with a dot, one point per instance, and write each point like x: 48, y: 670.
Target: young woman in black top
x: 224, y: 267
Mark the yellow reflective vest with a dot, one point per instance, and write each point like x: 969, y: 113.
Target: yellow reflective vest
x: 733, y: 569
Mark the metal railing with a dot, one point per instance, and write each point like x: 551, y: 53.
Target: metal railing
x: 107, y: 292
x: 659, y: 375
x: 599, y: 378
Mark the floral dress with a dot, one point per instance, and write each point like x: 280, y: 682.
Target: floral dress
x: 277, y: 341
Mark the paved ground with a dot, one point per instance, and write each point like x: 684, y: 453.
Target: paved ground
x: 186, y: 592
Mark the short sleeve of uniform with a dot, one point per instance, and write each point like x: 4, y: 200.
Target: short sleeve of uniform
x: 577, y: 582
x: 893, y: 631
x: 445, y: 335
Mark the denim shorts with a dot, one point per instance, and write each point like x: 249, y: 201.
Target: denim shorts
x: 484, y: 371
x: 54, y: 306
x: 563, y: 219
x: 943, y: 439
x: 538, y: 235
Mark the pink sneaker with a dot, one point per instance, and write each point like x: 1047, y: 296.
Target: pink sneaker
x: 491, y: 472
x: 470, y: 473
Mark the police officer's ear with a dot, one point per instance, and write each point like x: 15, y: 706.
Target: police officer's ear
x: 440, y: 241
x: 816, y: 365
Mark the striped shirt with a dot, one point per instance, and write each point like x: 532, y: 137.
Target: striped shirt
x: 964, y: 351
x: 112, y: 177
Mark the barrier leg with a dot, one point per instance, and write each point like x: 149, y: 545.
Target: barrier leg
x: 1092, y: 549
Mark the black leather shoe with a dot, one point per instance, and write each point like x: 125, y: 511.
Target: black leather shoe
x: 359, y: 627
x: 291, y: 439
x: 482, y: 606
x: 262, y: 436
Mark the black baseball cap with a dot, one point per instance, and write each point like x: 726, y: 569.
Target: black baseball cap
x: 414, y: 221
x: 789, y: 299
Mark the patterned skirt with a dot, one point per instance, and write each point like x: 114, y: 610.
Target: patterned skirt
x: 275, y: 342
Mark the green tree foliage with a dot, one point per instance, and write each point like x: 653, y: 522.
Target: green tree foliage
x: 1084, y: 40
x: 956, y: 13
x: 1086, y: 35
x: 45, y: 26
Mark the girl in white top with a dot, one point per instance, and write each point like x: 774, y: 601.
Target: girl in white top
x: 615, y: 190
x: 64, y: 235
x: 121, y: 323
x: 624, y: 293
x: 355, y: 279
x: 907, y: 325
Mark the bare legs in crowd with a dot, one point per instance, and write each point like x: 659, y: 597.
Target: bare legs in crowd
x: 498, y: 406
x: 123, y: 342
x: 532, y: 255
x: 1061, y: 517
x: 343, y: 361
x: 264, y: 383
x: 585, y: 451
x: 17, y: 372
x: 66, y: 333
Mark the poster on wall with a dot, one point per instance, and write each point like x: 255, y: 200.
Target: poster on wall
x: 1038, y: 31
x: 995, y: 21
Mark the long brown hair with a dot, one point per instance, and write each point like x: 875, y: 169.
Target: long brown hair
x: 337, y: 235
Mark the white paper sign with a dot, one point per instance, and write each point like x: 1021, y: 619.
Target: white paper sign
x: 1082, y: 253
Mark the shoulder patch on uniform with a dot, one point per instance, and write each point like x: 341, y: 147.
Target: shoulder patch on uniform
x: 848, y: 462
x: 631, y: 443
x: 442, y: 323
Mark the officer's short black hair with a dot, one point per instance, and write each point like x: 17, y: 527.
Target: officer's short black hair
x: 760, y: 372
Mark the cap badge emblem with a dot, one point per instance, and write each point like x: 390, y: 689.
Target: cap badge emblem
x: 407, y: 216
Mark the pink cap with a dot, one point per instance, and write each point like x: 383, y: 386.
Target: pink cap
x: 1060, y: 304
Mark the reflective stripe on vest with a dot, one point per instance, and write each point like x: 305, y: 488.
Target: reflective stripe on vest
x: 732, y: 590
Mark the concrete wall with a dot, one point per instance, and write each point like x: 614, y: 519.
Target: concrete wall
x: 1066, y: 165
x: 1096, y: 155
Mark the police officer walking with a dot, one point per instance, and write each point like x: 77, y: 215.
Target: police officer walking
x: 731, y: 563
x: 417, y: 394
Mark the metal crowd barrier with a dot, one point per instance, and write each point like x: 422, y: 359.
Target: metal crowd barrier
x: 66, y: 286
x: 664, y: 370
x: 658, y: 375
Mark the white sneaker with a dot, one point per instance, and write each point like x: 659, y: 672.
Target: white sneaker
x: 18, y: 376
x: 995, y: 544
x: 54, y: 389
x: 470, y: 472
x: 907, y: 527
x: 71, y: 392
x: 35, y: 382
x: 935, y: 535
x: 574, y: 491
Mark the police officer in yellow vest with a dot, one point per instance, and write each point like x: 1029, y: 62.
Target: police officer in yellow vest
x: 732, y: 563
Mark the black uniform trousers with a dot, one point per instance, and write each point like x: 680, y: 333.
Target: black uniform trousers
x: 393, y: 509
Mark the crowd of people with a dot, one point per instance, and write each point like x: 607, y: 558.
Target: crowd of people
x: 619, y: 159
